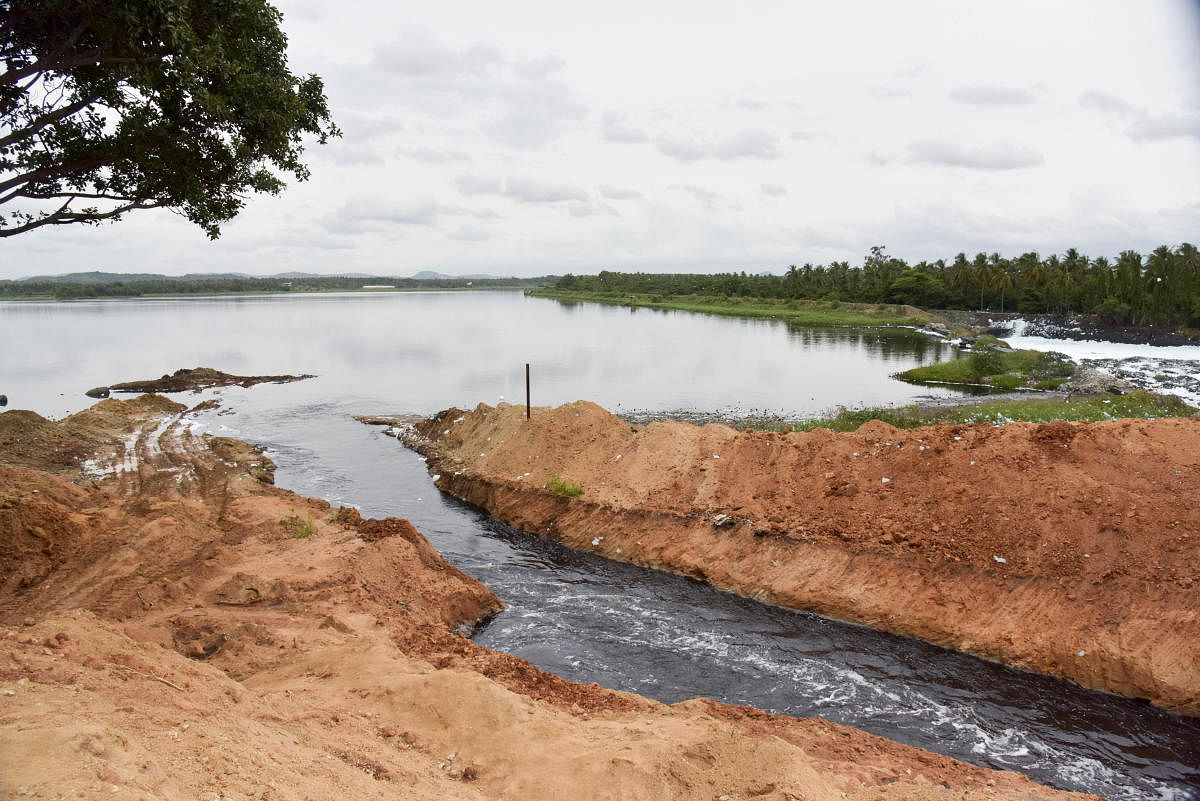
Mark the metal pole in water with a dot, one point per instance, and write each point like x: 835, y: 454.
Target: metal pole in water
x: 526, y: 390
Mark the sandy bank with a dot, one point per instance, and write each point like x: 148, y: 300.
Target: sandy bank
x: 1068, y: 549
x: 173, y: 627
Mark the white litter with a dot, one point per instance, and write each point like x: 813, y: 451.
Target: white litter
x: 618, y: 458
x: 595, y: 540
x: 1000, y: 559
x: 885, y: 480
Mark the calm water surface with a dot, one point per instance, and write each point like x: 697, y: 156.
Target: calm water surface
x: 575, y: 614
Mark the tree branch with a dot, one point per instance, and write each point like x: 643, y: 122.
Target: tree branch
x: 64, y: 217
x: 47, y: 119
x: 62, y: 64
x: 42, y: 173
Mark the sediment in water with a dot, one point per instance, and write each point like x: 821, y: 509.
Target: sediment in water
x: 1069, y: 549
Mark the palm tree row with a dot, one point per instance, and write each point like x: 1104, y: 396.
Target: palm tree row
x: 1160, y: 288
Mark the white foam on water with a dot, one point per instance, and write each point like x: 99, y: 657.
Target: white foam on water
x: 1098, y: 349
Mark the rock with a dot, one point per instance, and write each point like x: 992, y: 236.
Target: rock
x: 937, y: 329
x: 97, y: 392
x: 3, y: 400
x: 1090, y: 381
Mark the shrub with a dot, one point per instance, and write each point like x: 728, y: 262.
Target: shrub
x: 297, y: 528
x: 560, y: 487
x: 986, y: 360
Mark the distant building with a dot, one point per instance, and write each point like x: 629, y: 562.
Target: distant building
x: 379, y: 286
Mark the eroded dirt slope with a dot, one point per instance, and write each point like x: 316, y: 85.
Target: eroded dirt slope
x: 1071, y: 549
x: 173, y: 627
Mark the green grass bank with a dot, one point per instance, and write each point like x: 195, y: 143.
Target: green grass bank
x: 802, y: 312
x: 1138, y: 404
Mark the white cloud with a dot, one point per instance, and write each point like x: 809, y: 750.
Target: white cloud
x: 479, y: 185
x: 1140, y: 124
x: 705, y: 197
x: 372, y: 213
x: 744, y: 144
x: 417, y: 53
x: 614, y: 128
x: 889, y: 92
x: 774, y: 190
x: 993, y: 156
x: 430, y: 155
x: 537, y: 190
x: 526, y: 189
x: 521, y: 103
x: 990, y: 95
x: 468, y: 233
x: 618, y: 193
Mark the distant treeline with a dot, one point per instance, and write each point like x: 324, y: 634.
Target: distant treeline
x: 209, y: 286
x: 1163, y: 287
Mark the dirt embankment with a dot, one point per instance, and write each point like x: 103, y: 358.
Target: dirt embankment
x: 1067, y: 549
x: 172, y: 627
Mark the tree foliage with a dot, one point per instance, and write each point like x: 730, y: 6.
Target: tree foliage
x: 107, y: 107
x: 1163, y: 287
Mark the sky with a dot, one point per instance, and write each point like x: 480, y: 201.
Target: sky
x: 528, y: 138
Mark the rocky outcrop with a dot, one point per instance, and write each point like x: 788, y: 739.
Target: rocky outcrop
x: 197, y: 379
x: 1090, y: 381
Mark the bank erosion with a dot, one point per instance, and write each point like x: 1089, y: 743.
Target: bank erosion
x: 1070, y: 549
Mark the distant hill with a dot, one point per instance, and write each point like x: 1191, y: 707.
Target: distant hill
x: 430, y: 275
x: 98, y: 277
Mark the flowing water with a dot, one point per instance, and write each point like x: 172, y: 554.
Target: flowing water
x: 575, y: 614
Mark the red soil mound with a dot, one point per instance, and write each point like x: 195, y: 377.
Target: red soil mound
x: 1069, y: 548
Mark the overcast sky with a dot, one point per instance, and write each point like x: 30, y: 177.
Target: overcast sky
x: 524, y: 138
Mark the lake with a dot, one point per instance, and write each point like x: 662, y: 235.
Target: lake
x: 575, y: 614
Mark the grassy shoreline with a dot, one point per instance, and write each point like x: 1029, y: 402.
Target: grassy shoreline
x: 804, y: 312
x: 1093, y: 408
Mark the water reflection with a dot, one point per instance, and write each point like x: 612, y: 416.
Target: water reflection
x: 423, y: 352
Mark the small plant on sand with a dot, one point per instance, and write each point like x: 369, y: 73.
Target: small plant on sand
x: 297, y: 528
x: 560, y: 487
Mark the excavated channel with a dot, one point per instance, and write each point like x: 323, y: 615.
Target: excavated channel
x: 592, y: 620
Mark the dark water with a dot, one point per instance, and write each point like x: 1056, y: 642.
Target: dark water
x: 578, y: 615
